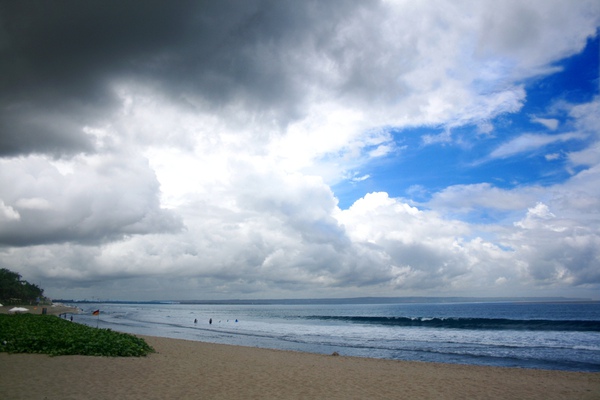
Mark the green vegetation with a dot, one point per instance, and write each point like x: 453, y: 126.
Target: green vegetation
x: 14, y: 290
x: 49, y: 334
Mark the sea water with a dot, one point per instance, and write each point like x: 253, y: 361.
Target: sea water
x: 561, y: 336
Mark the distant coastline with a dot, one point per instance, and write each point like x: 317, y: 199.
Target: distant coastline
x: 348, y: 300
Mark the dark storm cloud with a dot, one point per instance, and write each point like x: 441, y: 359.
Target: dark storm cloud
x: 60, y: 59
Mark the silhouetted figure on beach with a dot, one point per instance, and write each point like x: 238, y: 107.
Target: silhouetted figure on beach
x: 210, y: 321
x: 195, y: 320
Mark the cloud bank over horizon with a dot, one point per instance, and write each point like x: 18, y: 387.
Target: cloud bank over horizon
x: 259, y: 149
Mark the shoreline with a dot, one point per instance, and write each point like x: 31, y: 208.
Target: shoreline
x: 187, y: 369
x: 62, y: 310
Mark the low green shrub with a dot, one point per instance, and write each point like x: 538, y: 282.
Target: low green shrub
x: 48, y: 334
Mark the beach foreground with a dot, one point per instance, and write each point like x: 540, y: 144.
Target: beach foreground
x: 183, y: 369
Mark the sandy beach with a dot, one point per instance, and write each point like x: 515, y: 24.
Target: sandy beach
x: 54, y: 309
x: 183, y: 369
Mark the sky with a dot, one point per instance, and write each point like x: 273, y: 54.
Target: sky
x: 185, y: 150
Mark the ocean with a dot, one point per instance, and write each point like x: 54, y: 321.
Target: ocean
x: 557, y: 336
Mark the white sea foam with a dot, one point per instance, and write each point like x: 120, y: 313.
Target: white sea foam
x: 328, y: 328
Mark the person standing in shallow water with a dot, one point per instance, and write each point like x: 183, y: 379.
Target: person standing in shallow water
x: 210, y: 321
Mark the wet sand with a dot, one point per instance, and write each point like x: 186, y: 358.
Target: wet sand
x: 183, y: 369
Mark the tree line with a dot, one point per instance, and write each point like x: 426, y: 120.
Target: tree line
x: 14, y: 290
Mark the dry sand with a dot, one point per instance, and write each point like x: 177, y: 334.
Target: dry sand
x: 183, y: 369
x: 54, y: 309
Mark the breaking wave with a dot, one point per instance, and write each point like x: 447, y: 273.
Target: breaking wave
x: 472, y: 323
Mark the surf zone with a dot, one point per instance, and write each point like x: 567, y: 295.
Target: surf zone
x: 471, y: 323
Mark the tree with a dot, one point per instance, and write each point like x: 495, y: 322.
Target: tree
x: 15, y: 290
